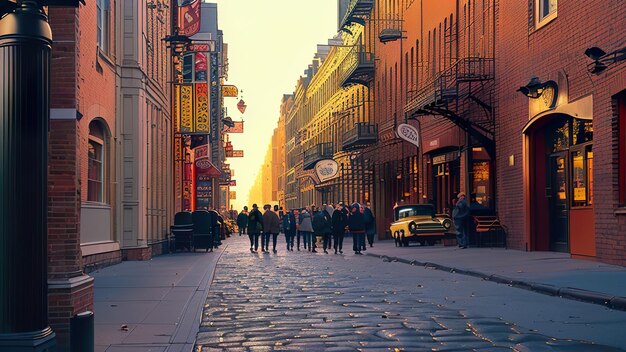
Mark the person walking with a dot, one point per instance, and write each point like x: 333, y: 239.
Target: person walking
x: 255, y: 227
x: 460, y: 215
x: 356, y: 226
x: 289, y: 228
x: 339, y: 221
x: 370, y: 224
x: 322, y: 226
x: 271, y: 226
x: 306, y: 228
x: 296, y: 215
x: 242, y: 220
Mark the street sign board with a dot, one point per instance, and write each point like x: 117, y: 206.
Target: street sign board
x: 409, y: 134
x: 237, y: 154
x: 230, y: 91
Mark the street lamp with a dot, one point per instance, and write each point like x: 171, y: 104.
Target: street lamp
x: 535, y: 88
x: 25, y: 55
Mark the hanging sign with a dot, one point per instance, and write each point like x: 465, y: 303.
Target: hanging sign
x: 188, y: 17
x: 237, y: 127
x: 241, y: 105
x: 233, y: 183
x: 326, y: 169
x: 202, y: 108
x: 409, y: 134
x: 233, y: 195
x: 237, y: 153
x: 186, y: 107
x: 230, y: 91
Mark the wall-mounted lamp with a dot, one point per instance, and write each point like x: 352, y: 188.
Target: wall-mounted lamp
x: 601, y: 60
x: 535, y: 88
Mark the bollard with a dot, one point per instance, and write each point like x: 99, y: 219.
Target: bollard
x: 82, y: 332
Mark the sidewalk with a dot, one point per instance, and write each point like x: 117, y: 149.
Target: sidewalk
x: 153, y: 305
x: 544, y: 272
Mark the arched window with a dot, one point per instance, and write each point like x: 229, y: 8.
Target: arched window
x: 96, y: 172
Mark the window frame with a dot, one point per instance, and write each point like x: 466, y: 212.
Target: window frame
x: 541, y: 20
x: 621, y: 152
x: 101, y: 191
x: 102, y: 24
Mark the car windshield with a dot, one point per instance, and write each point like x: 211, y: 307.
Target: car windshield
x: 415, y: 210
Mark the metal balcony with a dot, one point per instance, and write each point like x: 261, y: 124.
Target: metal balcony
x: 357, y: 11
x: 357, y: 67
x: 316, y: 153
x: 449, y: 85
x: 362, y: 135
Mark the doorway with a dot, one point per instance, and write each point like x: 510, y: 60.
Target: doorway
x: 558, y: 202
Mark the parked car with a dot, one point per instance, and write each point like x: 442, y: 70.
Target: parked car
x: 419, y: 223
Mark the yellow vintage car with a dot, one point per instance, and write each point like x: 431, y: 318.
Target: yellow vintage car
x: 419, y: 223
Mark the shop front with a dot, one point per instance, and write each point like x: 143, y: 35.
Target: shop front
x: 559, y: 179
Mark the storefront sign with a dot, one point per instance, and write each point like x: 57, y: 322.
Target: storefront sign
x: 230, y: 91
x: 202, y: 108
x: 201, y: 152
x: 445, y: 158
x: 409, y: 134
x: 186, y: 108
x: 241, y: 105
x: 326, y: 169
x: 233, y: 195
x: 237, y: 128
x: 233, y: 183
x: 237, y: 154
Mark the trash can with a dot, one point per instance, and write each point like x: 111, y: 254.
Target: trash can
x: 82, y: 332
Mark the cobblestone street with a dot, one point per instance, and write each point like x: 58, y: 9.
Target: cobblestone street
x: 313, y: 302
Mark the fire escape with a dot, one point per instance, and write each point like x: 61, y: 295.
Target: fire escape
x: 455, y: 93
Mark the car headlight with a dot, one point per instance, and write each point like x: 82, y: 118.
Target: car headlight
x: 412, y: 226
x: 446, y: 223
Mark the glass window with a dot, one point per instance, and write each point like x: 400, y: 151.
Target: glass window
x: 582, y: 177
x: 95, y: 189
x: 481, y: 185
x: 546, y: 10
x: 102, y: 25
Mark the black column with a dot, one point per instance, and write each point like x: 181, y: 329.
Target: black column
x: 25, y: 44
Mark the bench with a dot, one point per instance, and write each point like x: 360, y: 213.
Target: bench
x: 489, y: 231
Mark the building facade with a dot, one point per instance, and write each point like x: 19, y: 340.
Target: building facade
x: 109, y: 138
x: 560, y: 149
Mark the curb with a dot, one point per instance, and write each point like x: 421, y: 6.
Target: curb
x: 594, y: 297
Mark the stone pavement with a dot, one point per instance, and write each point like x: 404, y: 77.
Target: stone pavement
x: 549, y: 273
x: 300, y: 301
x: 153, y: 305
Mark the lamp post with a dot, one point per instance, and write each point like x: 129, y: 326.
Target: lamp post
x: 25, y: 52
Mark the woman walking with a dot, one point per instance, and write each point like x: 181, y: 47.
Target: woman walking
x: 306, y: 228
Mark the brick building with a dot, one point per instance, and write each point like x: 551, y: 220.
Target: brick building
x: 561, y: 154
x: 109, y: 119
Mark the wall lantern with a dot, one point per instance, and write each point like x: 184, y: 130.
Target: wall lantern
x: 535, y: 88
x: 601, y: 60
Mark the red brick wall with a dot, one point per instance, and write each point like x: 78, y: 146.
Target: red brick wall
x: 524, y: 51
x: 63, y: 304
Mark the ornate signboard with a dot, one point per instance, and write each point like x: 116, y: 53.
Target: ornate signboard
x: 202, y: 108
x: 233, y: 195
x: 230, y: 91
x: 241, y: 105
x: 409, y: 134
x: 188, y: 17
x: 326, y: 169
x: 237, y: 154
x: 186, y: 108
x: 237, y: 128
x: 204, y: 192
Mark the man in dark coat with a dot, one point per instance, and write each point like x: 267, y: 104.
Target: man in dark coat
x: 460, y: 216
x: 339, y: 221
x: 289, y: 228
x: 356, y: 226
x: 271, y: 226
x: 255, y: 227
x: 321, y: 226
x: 370, y: 224
x: 242, y: 220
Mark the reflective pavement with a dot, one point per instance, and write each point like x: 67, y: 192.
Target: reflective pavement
x: 301, y: 301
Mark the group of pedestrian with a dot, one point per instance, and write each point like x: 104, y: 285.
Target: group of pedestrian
x: 329, y: 223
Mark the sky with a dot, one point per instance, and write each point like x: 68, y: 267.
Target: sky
x: 270, y: 44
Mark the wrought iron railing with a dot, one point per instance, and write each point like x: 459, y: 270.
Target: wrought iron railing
x: 316, y: 153
x: 362, y: 135
x: 445, y: 85
x: 357, y: 9
x: 357, y: 67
